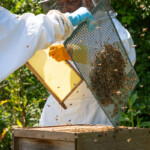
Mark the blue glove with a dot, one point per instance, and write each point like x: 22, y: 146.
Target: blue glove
x: 82, y: 15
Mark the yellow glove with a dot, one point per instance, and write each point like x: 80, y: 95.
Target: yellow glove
x: 59, y: 53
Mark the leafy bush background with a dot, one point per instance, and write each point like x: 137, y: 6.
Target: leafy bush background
x: 22, y: 96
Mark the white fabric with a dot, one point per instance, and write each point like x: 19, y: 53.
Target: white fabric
x: 126, y: 40
x: 82, y: 108
x: 22, y: 36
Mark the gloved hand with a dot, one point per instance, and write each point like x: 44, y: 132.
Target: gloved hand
x: 59, y: 52
x: 82, y: 15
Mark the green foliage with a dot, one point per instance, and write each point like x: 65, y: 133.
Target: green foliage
x: 135, y: 15
x: 22, y: 96
x: 133, y: 115
x: 22, y: 6
x: 22, y: 99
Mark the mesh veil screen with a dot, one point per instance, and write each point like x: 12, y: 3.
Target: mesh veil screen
x: 103, y: 63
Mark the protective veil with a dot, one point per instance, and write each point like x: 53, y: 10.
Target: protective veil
x: 22, y: 36
x: 82, y: 108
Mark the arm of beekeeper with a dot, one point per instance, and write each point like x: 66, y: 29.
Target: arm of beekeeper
x: 21, y: 36
x: 58, y: 51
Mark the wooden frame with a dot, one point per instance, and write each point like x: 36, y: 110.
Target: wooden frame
x: 47, y: 86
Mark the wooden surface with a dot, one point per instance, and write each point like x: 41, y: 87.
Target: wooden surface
x: 35, y: 144
x: 83, y: 137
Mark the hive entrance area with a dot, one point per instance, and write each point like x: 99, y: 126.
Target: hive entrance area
x: 103, y: 63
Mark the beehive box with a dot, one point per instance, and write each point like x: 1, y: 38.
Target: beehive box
x: 81, y: 137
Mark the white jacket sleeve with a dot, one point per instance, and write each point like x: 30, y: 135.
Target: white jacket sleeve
x: 21, y: 36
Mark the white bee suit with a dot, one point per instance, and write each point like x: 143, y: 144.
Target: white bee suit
x: 21, y: 36
x: 82, y: 108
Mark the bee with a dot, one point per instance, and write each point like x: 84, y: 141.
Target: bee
x: 56, y: 117
x: 141, y: 86
x: 97, y: 27
x: 99, y: 64
x: 134, y: 45
x: 115, y: 70
x: 118, y: 92
x: 142, y: 35
x: 144, y: 29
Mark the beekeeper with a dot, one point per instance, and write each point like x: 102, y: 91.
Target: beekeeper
x: 21, y: 36
x: 82, y: 108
